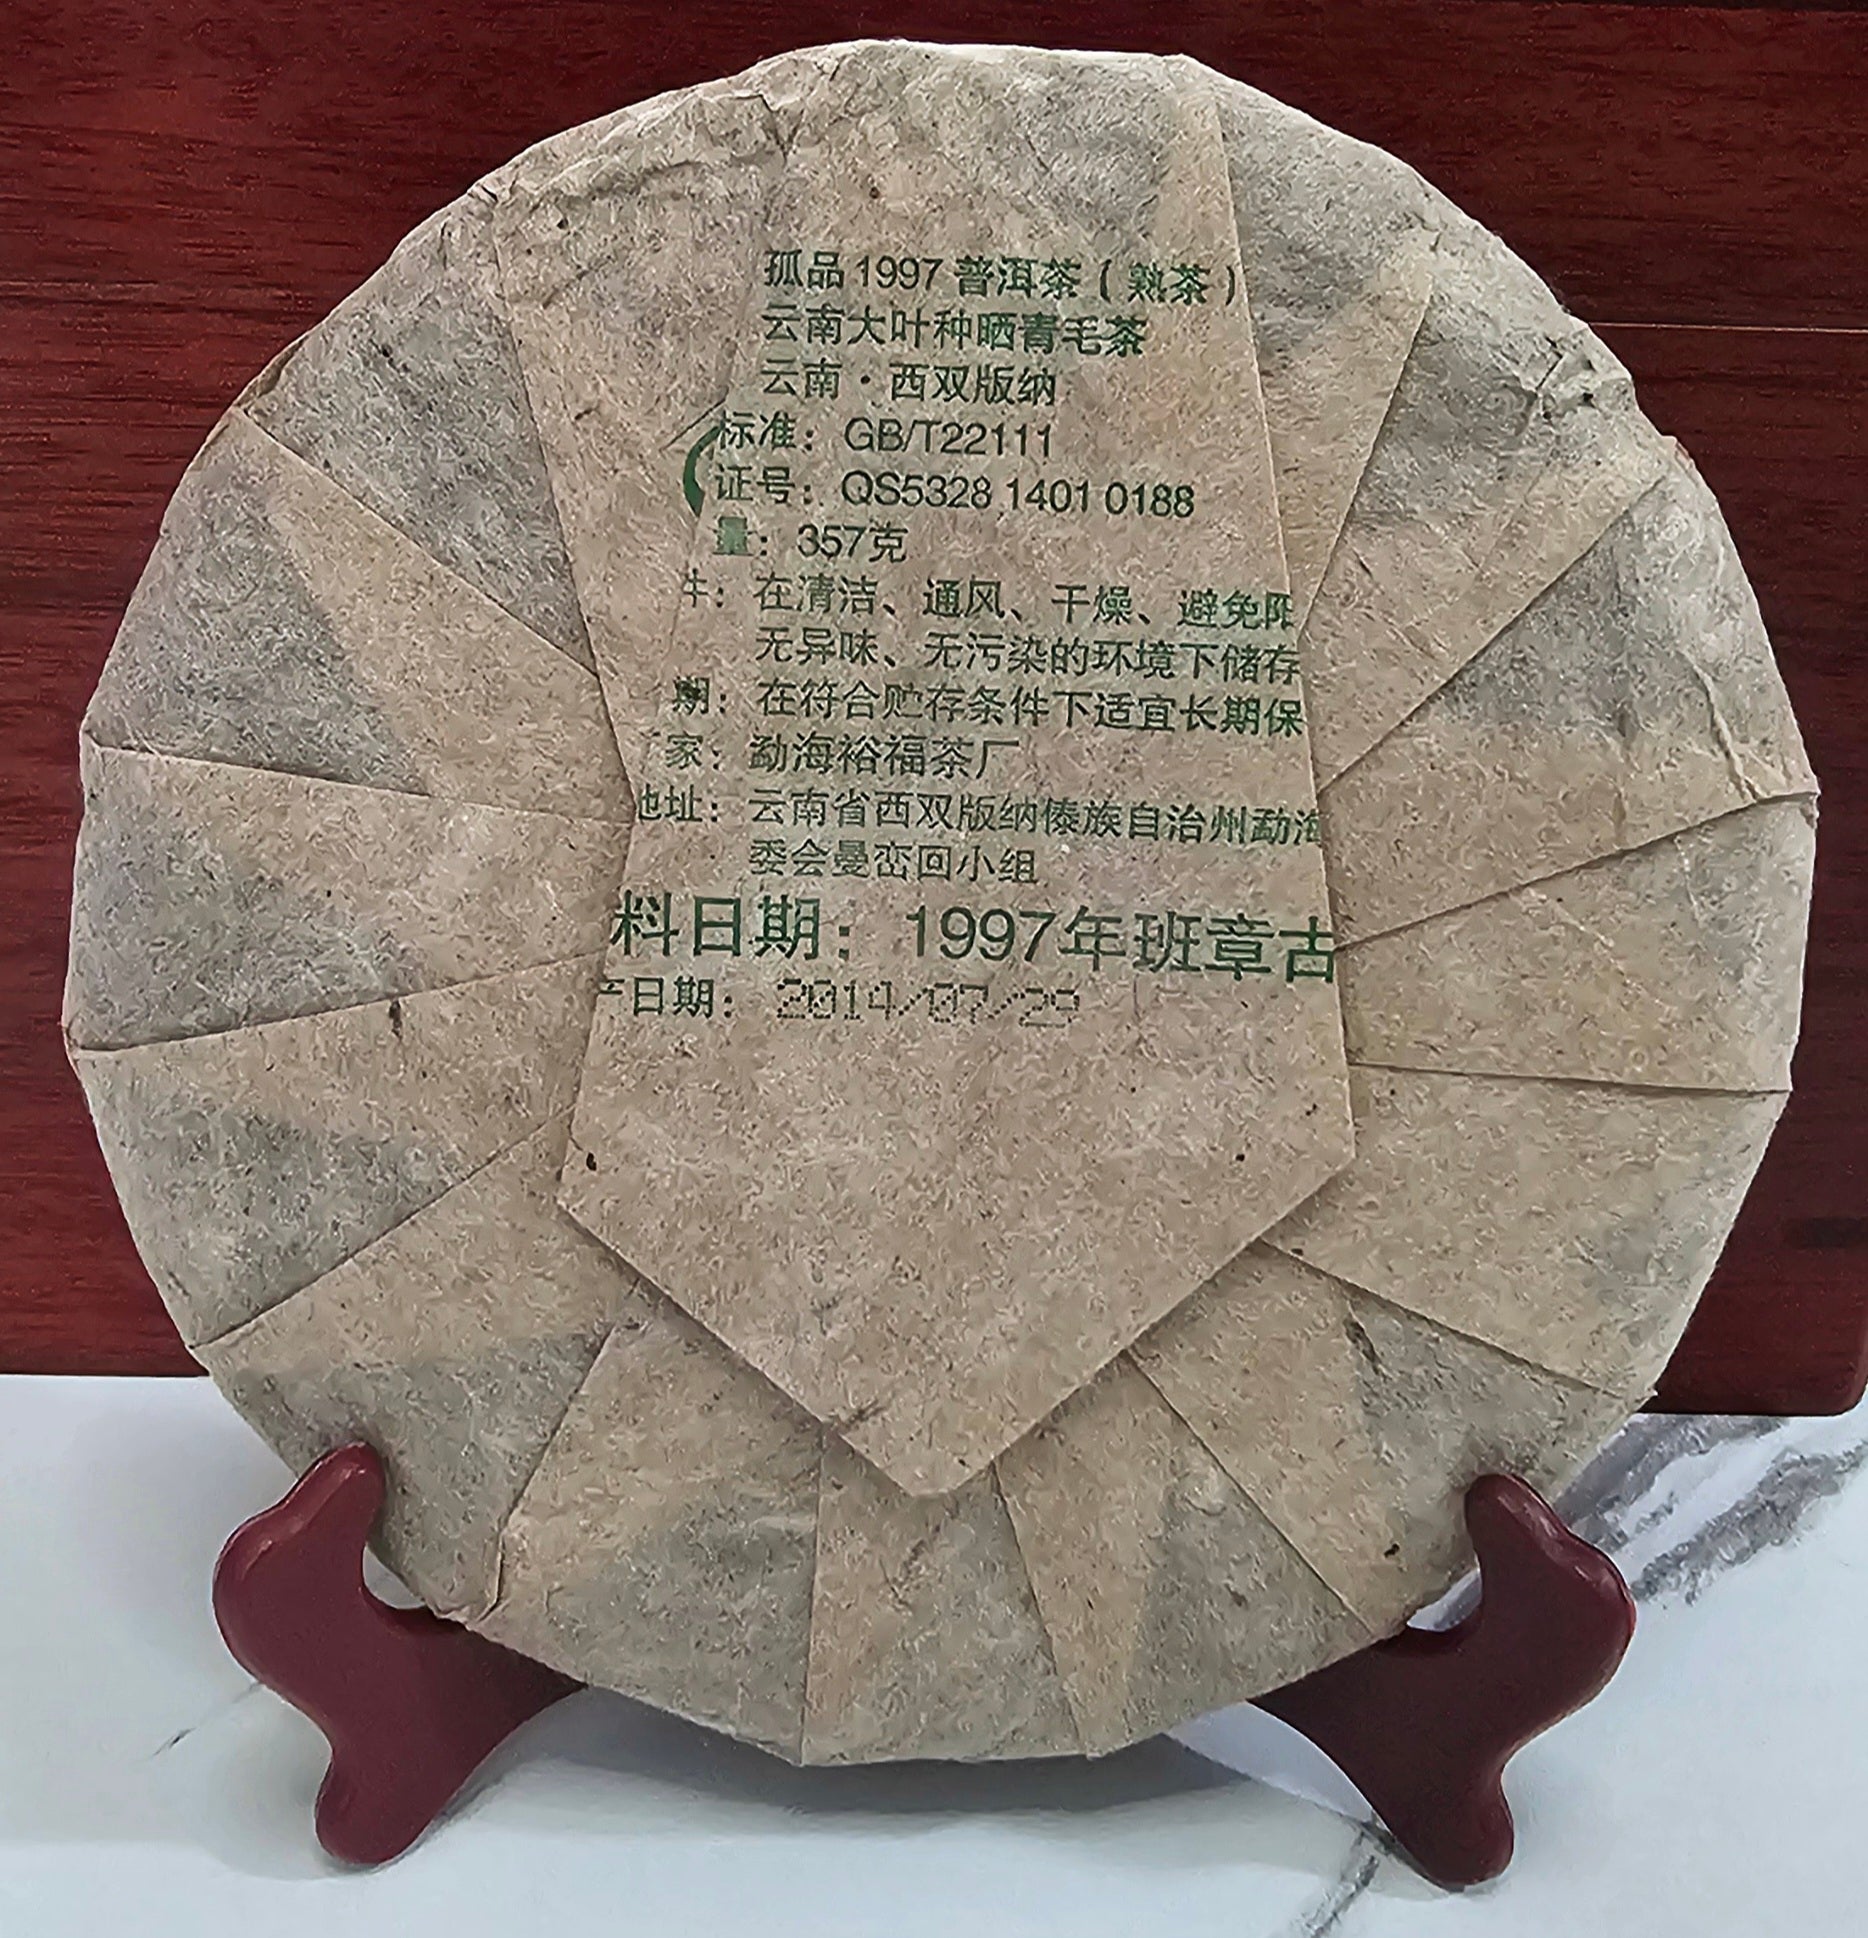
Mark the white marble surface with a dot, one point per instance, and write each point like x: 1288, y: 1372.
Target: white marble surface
x: 147, y: 1786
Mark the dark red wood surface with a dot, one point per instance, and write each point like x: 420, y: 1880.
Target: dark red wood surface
x: 185, y: 186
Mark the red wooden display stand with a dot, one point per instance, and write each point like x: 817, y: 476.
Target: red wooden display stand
x: 411, y: 1704
x: 1423, y: 1723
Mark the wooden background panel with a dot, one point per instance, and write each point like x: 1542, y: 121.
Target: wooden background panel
x: 185, y: 187
x: 1656, y: 163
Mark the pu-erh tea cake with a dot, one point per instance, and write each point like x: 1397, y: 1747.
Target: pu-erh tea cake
x: 941, y: 864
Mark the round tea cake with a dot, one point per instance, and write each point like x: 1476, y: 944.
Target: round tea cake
x: 942, y: 864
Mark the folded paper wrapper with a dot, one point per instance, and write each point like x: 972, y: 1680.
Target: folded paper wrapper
x: 908, y: 1380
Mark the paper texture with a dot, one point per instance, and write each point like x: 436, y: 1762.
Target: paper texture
x: 452, y: 1345
x: 280, y: 626
x: 1163, y: 1587
x: 1337, y: 242
x: 627, y: 255
x: 677, y: 1506
x: 252, y: 1162
x: 208, y: 897
x: 1511, y: 444
x: 410, y: 396
x: 1504, y: 1210
x: 1326, y: 407
x: 1636, y: 698
x: 1356, y: 1427
x: 1678, y: 964
x: 974, y: 1218
x: 925, y: 1637
x: 703, y: 910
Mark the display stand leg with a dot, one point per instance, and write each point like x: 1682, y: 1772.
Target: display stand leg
x: 411, y: 1704
x: 1423, y: 1724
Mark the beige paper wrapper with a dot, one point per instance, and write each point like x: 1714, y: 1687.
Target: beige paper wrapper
x: 1338, y: 243
x: 1635, y: 699
x: 253, y: 1162
x: 627, y: 253
x: 1511, y: 444
x: 452, y: 1345
x: 1674, y: 964
x: 968, y: 1232
x: 1327, y: 403
x: 1164, y: 1589
x: 281, y: 626
x: 1503, y: 1209
x: 208, y: 897
x: 1356, y: 1427
x: 347, y: 904
x: 925, y: 1637
x: 410, y: 396
x: 678, y: 1506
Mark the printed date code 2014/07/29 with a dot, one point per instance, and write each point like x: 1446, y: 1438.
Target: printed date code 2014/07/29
x: 825, y: 1000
